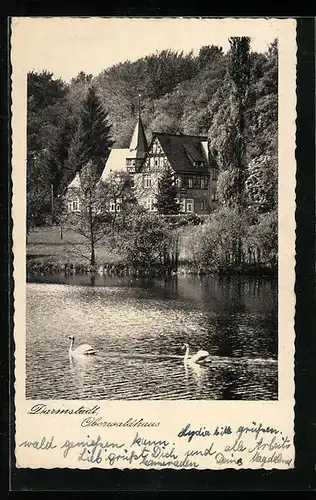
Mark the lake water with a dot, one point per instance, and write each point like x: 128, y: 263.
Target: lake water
x: 139, y: 328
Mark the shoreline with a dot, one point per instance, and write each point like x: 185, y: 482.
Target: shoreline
x: 34, y: 268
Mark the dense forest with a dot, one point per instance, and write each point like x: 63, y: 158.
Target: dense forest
x: 231, y: 98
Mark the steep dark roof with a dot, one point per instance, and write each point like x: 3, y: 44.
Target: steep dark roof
x: 182, y: 150
x: 138, y: 141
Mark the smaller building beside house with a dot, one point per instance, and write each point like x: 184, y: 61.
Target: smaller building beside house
x: 128, y: 159
x: 73, y: 195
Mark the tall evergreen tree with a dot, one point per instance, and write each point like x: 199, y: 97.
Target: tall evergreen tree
x: 94, y: 132
x: 167, y: 194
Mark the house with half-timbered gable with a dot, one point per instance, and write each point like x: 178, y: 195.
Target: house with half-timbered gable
x: 194, y: 172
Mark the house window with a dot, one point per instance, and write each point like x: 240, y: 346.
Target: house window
x: 147, y: 181
x: 214, y: 196
x: 202, y: 183
x: 115, y: 205
x: 214, y: 174
x: 190, y: 182
x: 156, y: 162
x: 190, y: 206
x: 152, y: 161
x: 182, y: 205
x: 178, y: 181
x: 161, y: 161
x: 74, y: 205
x: 203, y: 206
x: 150, y: 204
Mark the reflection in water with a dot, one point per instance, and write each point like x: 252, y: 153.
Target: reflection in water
x: 80, y: 369
x: 139, y: 327
x: 197, y: 376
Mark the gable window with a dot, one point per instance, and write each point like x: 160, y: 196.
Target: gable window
x: 115, y: 205
x: 161, y: 161
x: 156, y: 162
x: 190, y: 182
x: 146, y: 181
x: 190, y: 206
x: 178, y: 181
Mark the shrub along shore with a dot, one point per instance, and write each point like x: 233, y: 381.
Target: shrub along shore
x: 38, y: 267
x: 221, y: 244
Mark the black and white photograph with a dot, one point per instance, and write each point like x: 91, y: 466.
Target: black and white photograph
x: 152, y: 217
x: 153, y: 174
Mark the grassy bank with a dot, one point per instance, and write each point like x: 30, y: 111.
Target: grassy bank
x: 44, y: 245
x: 48, y: 253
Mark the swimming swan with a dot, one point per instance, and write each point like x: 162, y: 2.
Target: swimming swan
x: 198, y: 357
x: 82, y: 349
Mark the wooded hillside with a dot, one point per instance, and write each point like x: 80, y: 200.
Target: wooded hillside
x: 179, y: 93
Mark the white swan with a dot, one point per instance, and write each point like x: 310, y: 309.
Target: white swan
x: 82, y: 349
x: 198, y: 357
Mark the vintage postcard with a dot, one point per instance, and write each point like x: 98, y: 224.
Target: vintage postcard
x: 153, y: 173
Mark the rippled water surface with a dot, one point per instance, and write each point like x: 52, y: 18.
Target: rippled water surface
x: 139, y: 327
